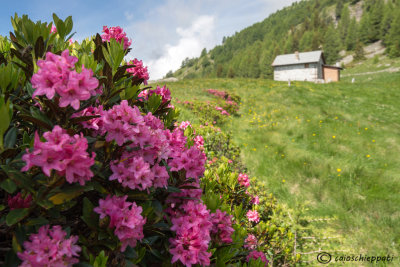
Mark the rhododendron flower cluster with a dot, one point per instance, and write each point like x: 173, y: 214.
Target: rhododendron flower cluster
x: 18, y: 202
x: 223, y: 111
x: 184, y: 125
x: 257, y: 255
x: 125, y: 217
x: 250, y: 242
x: 139, y: 70
x: 177, y: 198
x: 244, y: 180
x: 61, y: 152
x: 49, y: 247
x: 255, y: 200
x: 56, y: 75
x: 192, y: 227
x: 199, y: 142
x: 95, y: 124
x: 222, y: 227
x: 192, y: 160
x: 164, y: 92
x: 221, y: 94
x: 116, y: 33
x: 252, y: 216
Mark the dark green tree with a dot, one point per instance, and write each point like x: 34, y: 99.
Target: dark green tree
x: 306, y: 41
x: 339, y: 8
x: 394, y: 37
x: 331, y: 45
x: 203, y: 52
x: 352, y: 35
x: 364, y: 28
x: 375, y: 19
x: 386, y: 22
x: 359, y: 51
x: 344, y: 24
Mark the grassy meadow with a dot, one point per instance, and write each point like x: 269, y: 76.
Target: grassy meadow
x: 332, y: 147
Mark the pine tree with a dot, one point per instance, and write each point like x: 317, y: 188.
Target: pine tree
x: 364, y: 28
x: 394, y: 37
x: 203, y: 52
x: 338, y: 10
x: 316, y: 41
x: 352, y: 35
x: 344, y: 24
x: 386, y: 22
x: 375, y: 19
x: 359, y: 51
x: 289, y: 45
x: 305, y: 41
x: 331, y: 45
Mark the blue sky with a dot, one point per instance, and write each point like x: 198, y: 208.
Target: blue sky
x: 163, y: 33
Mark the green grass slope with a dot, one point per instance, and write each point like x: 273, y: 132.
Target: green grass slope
x: 334, y: 147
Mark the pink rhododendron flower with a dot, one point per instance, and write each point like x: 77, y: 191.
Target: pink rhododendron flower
x: 164, y: 92
x: 192, y: 160
x: 252, y: 216
x: 250, y: 242
x: 116, y: 33
x: 257, y: 255
x: 255, y: 200
x: 53, y: 29
x: 18, y: 202
x: 133, y: 172
x: 125, y: 217
x: 192, y: 226
x: 222, y: 227
x: 49, y: 247
x: 56, y: 75
x: 95, y: 124
x: 243, y: 180
x: 63, y: 153
x: 139, y: 70
x: 184, y: 125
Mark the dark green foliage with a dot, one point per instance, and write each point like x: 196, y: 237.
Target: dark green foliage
x: 352, y: 35
x: 332, y: 46
x: 359, y: 51
x: 394, y: 37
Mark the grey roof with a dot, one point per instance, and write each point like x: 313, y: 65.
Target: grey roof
x: 290, y: 59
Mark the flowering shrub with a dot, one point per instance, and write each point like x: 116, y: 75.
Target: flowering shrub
x: 49, y: 247
x: 207, y: 112
x: 95, y: 170
x: 228, y: 102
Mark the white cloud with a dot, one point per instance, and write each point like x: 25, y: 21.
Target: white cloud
x: 174, y: 29
x: 191, y: 41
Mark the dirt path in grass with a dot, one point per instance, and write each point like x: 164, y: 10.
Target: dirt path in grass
x: 390, y: 70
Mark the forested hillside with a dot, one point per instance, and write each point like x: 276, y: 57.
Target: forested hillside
x: 330, y: 25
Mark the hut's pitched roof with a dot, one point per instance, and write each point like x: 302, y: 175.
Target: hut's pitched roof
x: 291, y: 59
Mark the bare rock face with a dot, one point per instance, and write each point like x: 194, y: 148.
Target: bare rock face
x: 356, y: 10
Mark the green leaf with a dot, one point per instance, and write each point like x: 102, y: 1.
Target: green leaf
x: 100, y: 260
x: 141, y: 253
x: 62, y: 197
x: 37, y: 221
x: 154, y: 102
x: 10, y: 138
x: 9, y: 186
x: 88, y: 216
x: 16, y: 215
x: 36, y: 113
x: 68, y: 25
x: 172, y: 189
x: 18, y: 177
